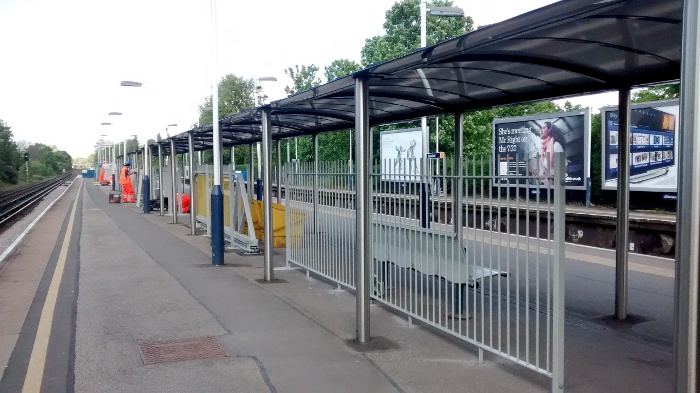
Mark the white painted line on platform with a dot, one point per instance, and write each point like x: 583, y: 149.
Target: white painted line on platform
x: 24, y: 233
x: 37, y: 360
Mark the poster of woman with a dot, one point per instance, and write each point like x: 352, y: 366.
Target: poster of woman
x: 526, y: 146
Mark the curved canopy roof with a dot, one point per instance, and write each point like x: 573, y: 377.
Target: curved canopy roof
x: 572, y: 47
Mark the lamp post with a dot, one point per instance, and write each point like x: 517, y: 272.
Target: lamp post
x: 255, y: 102
x: 217, y: 195
x: 114, y: 177
x: 146, y: 183
x: 446, y: 12
x: 173, y: 177
x: 112, y: 159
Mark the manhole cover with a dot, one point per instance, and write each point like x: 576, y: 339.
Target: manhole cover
x: 179, y: 350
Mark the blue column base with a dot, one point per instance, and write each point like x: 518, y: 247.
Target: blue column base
x: 217, y: 226
x: 259, y: 189
x: 146, y: 195
x: 114, y: 183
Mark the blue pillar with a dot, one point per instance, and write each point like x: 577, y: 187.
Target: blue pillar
x: 146, y: 181
x: 217, y: 225
x: 259, y: 189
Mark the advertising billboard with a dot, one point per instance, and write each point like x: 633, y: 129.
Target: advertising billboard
x: 653, y: 147
x: 400, y: 154
x: 525, y: 146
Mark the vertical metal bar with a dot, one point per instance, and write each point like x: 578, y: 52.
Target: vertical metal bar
x: 290, y: 226
x: 146, y: 180
x: 457, y: 193
x: 685, y: 364
x: 231, y: 201
x: 315, y: 181
x: 173, y: 169
x: 207, y: 187
x: 279, y: 171
x: 363, y: 212
x: 251, y: 183
x: 267, y: 192
x: 193, y: 186
x: 558, y: 273
x: 160, y: 177
x: 184, y: 157
x: 623, y: 200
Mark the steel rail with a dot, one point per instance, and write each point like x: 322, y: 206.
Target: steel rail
x: 15, y: 201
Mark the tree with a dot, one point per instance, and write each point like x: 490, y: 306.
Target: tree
x: 402, y: 27
x: 340, y: 68
x: 9, y: 156
x: 657, y: 93
x: 235, y: 96
x: 303, y: 78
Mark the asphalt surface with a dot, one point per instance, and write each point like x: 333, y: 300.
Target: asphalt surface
x: 58, y: 374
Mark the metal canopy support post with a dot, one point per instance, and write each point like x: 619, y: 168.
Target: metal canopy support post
x: 184, y: 159
x: 315, y: 184
x: 161, y: 198
x: 685, y: 351
x: 266, y: 159
x: 146, y: 180
x: 623, y: 203
x: 250, y: 173
x: 279, y: 172
x: 559, y: 272
x: 173, y: 177
x: 363, y: 212
x: 193, y: 187
x: 458, y: 172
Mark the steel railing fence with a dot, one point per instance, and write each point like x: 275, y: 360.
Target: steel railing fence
x: 495, y: 281
x: 325, y: 238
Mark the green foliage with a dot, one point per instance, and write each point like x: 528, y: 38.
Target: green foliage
x: 235, y: 96
x: 303, y: 78
x: 44, y: 161
x: 478, y: 125
x: 657, y: 93
x: 340, y: 68
x: 10, y: 160
x: 402, y: 27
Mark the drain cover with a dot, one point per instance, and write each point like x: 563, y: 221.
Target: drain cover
x: 178, y: 350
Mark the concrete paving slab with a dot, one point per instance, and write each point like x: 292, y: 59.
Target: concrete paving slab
x: 297, y: 354
x: 125, y: 297
x: 7, y: 345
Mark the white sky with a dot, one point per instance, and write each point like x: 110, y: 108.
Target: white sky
x: 62, y: 61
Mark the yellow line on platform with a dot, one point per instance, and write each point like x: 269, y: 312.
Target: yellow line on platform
x: 37, y: 360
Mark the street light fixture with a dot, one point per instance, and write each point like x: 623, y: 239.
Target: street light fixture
x: 131, y: 84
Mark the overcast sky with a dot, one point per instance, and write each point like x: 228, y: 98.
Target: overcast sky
x: 62, y: 61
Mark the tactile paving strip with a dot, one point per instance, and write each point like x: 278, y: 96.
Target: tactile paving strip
x: 178, y: 350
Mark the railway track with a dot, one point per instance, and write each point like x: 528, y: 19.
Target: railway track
x: 15, y: 202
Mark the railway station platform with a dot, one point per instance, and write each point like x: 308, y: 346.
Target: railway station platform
x: 99, y: 289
